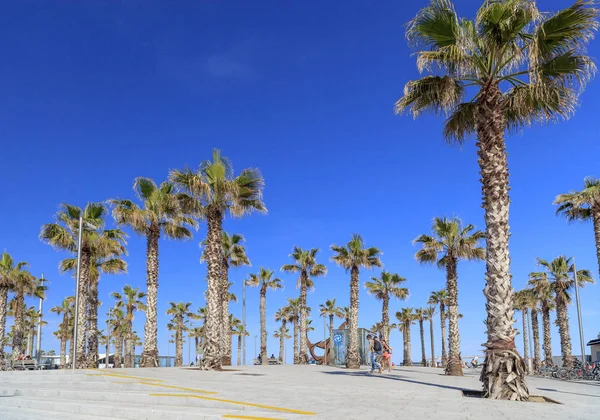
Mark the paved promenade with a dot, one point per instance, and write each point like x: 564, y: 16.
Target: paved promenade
x: 277, y: 392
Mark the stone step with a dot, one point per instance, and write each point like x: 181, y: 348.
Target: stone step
x: 124, y: 411
x: 19, y: 413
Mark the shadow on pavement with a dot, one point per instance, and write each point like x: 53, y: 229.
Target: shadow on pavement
x: 566, y: 392
x: 395, y: 378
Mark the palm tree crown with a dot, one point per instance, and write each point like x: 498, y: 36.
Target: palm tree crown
x: 354, y: 255
x: 557, y: 274
x: 387, y: 285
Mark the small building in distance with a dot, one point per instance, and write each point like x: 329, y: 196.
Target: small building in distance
x: 595, y: 349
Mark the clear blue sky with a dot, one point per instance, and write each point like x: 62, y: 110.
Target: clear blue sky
x: 96, y: 93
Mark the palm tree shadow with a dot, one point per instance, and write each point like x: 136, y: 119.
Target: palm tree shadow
x: 397, y: 378
x: 566, y: 392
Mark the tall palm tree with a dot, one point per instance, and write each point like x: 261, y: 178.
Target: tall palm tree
x: 180, y: 313
x: 354, y: 256
x: 382, y: 288
x: 64, y: 309
x: 441, y: 298
x: 105, y: 258
x: 25, y: 285
x: 520, y: 66
x: 196, y: 333
x: 293, y: 309
x: 97, y: 245
x: 305, y: 263
x: 584, y: 206
x: 543, y: 293
x: 130, y: 301
x: 233, y: 323
x: 533, y: 303
x: 429, y: 313
x: 240, y: 331
x: 264, y: 279
x: 449, y: 242
x: 522, y: 302
x: 217, y: 191
x: 234, y: 255
x: 282, y: 315
x: 163, y: 211
x: 10, y: 272
x: 406, y: 317
x: 421, y: 316
x: 118, y: 330
x: 561, y: 284
x: 331, y: 311
x: 282, y: 334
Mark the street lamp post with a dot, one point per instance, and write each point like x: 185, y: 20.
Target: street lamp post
x: 579, y: 313
x: 325, y: 341
x: 107, y: 358
x: 38, y: 350
x: 244, y: 323
x: 255, y: 337
x: 74, y: 356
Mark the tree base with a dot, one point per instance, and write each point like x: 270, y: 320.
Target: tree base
x: 503, y: 376
x: 149, y: 359
x: 454, y: 368
x: 226, y: 361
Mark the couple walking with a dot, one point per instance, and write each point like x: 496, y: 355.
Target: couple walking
x: 381, y: 354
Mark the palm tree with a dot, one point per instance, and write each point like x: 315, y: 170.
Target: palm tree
x: 196, y: 333
x: 583, y: 205
x: 105, y: 258
x: 353, y: 257
x: 234, y: 323
x: 406, y: 317
x: 328, y: 309
x: 25, y: 285
x: 420, y: 315
x: 449, y: 242
x: 282, y: 334
x: 305, y: 263
x: 10, y: 272
x: 522, y: 302
x: 382, y: 288
x: 97, y: 246
x: 282, y: 315
x: 180, y: 312
x: 164, y: 211
x: 265, y: 280
x: 130, y: 301
x: 543, y: 293
x: 118, y: 329
x: 429, y: 313
x: 533, y: 302
x: 240, y: 331
x: 217, y: 191
x: 557, y: 274
x: 234, y: 255
x: 346, y: 311
x: 441, y: 298
x: 542, y: 60
x: 63, y: 333
x: 293, y: 309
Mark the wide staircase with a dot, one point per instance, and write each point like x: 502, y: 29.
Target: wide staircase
x: 98, y: 394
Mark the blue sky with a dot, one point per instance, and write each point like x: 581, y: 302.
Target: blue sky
x: 96, y: 93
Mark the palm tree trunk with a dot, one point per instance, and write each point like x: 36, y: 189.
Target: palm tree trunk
x: 129, y: 342
x: 63, y: 350
x: 352, y: 358
x: 92, y: 357
x: 596, y: 220
x: 562, y: 320
x: 330, y: 343
x: 82, y: 323
x: 18, y: 333
x: 295, y: 340
x: 525, y: 339
x: 282, y: 341
x: 423, y: 356
x: 150, y: 350
x: 503, y: 373
x: 443, y: 322
x: 536, y: 340
x: 118, y: 351
x: 225, y: 325
x: 3, y: 310
x: 432, y: 343
x: 239, y: 350
x: 211, y: 344
x: 29, y: 342
x: 178, y: 347
x: 547, y: 334
x: 454, y: 360
x: 303, y: 356
x: 407, y: 347
x: 263, y: 324
x: 385, y: 318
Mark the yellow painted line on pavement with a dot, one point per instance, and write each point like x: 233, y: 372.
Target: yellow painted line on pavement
x: 118, y: 375
x: 267, y: 407
x: 181, y: 388
x: 233, y: 416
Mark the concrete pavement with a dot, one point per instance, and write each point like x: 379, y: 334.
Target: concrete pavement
x: 277, y: 392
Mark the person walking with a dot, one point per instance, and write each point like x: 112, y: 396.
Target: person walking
x: 387, y: 356
x: 375, y: 349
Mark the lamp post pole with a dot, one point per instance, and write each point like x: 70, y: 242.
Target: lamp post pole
x: 244, y: 323
x: 38, y: 350
x: 579, y: 313
x: 325, y: 341
x: 107, y: 358
x: 78, y: 275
